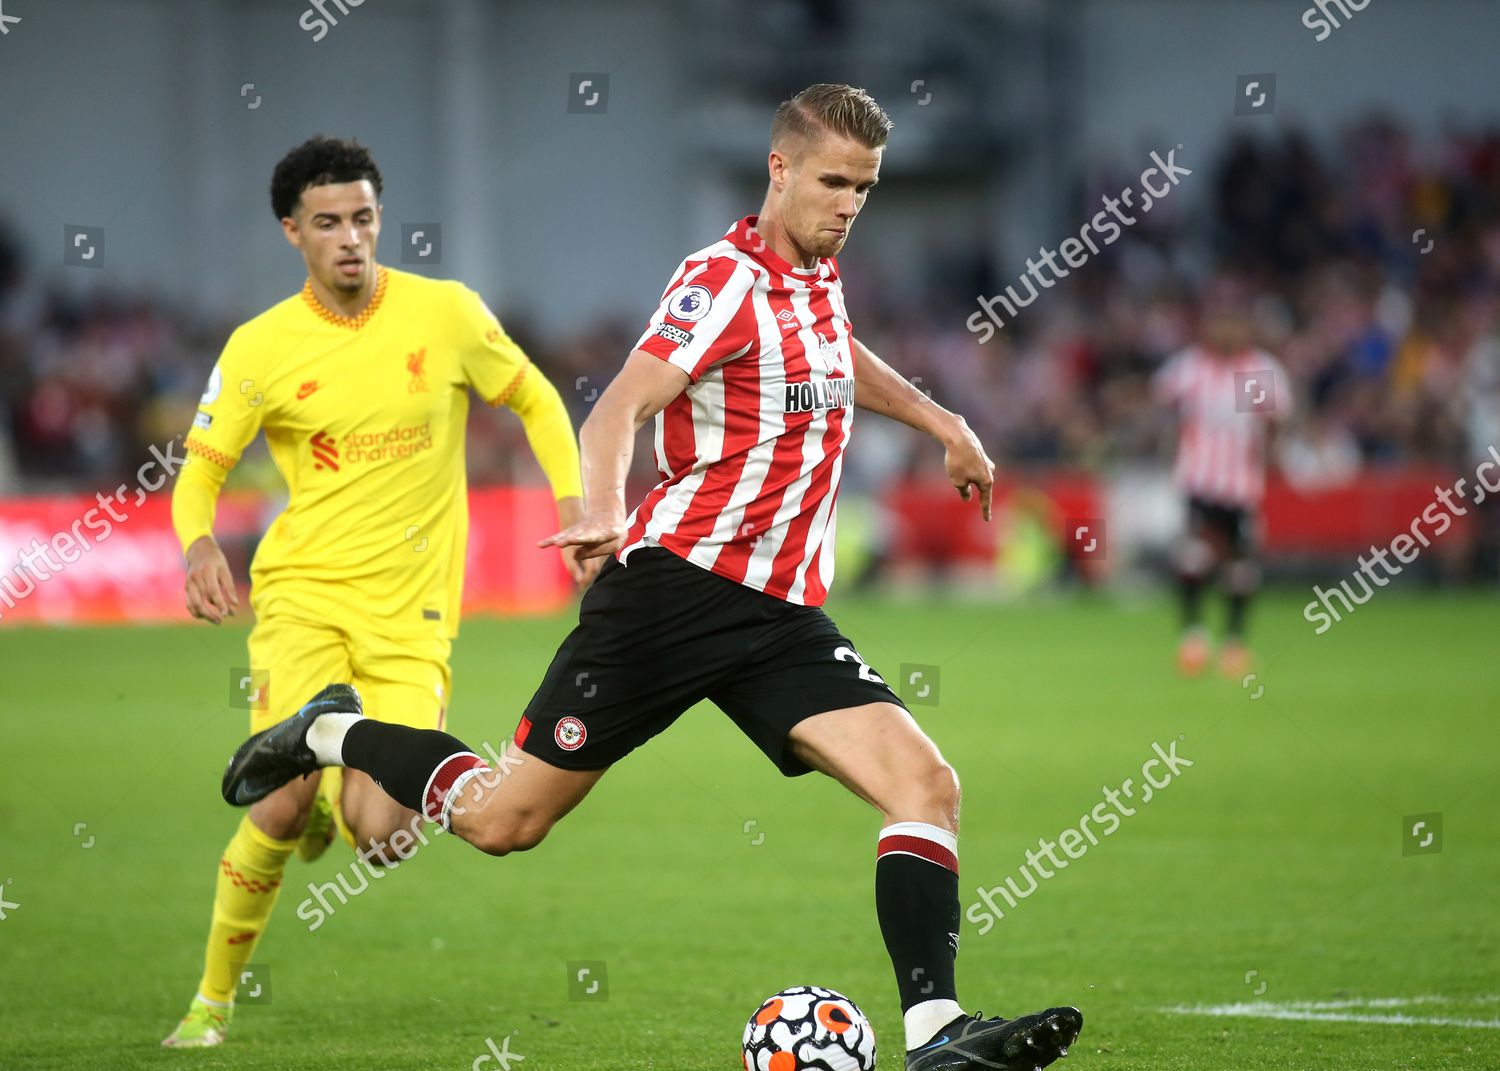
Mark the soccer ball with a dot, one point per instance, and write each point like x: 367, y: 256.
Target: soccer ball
x: 809, y: 1028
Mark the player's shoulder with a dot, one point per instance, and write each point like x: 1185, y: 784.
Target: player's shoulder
x: 255, y: 334
x: 405, y: 285
x: 719, y: 267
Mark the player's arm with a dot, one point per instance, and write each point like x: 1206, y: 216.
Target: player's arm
x: 878, y: 388
x: 209, y: 586
x: 704, y: 321
x: 642, y: 389
x: 225, y: 423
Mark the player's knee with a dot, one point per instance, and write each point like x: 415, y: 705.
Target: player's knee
x: 1243, y: 576
x: 943, y: 789
x: 1195, y: 557
x: 283, y: 814
x: 929, y: 793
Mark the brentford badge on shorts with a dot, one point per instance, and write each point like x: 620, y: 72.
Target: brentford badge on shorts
x: 570, y: 734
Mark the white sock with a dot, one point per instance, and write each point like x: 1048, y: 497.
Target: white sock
x: 924, y: 1020
x: 326, y: 737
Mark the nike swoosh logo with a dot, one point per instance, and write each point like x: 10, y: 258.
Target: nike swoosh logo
x: 934, y: 1044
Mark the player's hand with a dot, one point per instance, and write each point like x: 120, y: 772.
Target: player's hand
x: 581, y: 569
x: 968, y: 466
x: 209, y: 585
x: 595, y: 536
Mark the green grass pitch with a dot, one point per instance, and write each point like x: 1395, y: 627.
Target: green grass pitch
x: 1270, y: 871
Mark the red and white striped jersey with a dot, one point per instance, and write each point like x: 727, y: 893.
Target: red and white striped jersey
x: 1223, y: 406
x: 751, y: 451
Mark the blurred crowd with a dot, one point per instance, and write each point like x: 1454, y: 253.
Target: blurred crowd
x: 1372, y: 262
x: 1373, y: 259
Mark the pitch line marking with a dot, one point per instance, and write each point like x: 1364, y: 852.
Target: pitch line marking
x: 1337, y: 1011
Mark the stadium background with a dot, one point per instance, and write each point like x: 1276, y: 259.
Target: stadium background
x: 1363, y: 200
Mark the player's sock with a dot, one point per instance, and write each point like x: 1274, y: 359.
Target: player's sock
x: 1190, y: 590
x: 916, y: 900
x: 249, y: 882
x: 326, y: 737
x: 1239, y: 606
x: 418, y: 768
x: 1241, y: 582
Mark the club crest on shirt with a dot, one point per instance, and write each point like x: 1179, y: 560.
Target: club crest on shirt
x: 416, y: 364
x: 826, y: 358
x: 690, y: 303
x: 570, y: 733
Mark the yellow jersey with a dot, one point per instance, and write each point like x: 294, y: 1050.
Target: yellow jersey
x: 365, y: 418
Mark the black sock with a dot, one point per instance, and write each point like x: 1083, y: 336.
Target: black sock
x: 416, y: 767
x: 1239, y: 606
x: 916, y: 901
x: 1191, y: 590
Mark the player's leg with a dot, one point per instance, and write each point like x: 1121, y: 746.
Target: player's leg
x: 880, y: 754
x: 1195, y: 558
x: 500, y: 809
x: 1241, y: 581
x: 629, y: 669
x: 809, y: 701
x: 403, y: 682
x: 290, y: 654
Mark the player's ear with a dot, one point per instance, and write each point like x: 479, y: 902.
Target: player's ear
x: 777, y: 165
x: 293, y: 235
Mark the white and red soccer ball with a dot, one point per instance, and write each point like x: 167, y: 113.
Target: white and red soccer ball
x: 809, y: 1028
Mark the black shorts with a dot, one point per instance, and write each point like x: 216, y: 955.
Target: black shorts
x: 661, y: 634
x: 1234, y: 527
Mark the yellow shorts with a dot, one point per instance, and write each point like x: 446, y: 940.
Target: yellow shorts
x: 405, y: 682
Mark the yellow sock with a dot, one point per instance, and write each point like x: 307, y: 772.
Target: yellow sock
x: 249, y: 882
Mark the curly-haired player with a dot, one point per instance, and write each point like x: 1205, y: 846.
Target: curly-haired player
x: 361, y: 384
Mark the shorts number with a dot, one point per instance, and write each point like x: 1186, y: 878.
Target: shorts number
x: 849, y: 654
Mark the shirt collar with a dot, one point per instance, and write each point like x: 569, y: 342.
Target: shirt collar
x: 744, y: 237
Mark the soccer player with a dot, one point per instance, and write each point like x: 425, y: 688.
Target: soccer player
x: 1229, y: 398
x: 713, y: 585
x: 360, y: 383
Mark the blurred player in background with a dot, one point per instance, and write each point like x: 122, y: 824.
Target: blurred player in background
x: 361, y: 384
x: 1229, y: 398
x: 714, y: 585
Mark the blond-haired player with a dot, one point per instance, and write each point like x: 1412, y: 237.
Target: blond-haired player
x: 715, y: 583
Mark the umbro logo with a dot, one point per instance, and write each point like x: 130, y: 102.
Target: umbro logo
x: 306, y: 389
x: 788, y: 319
